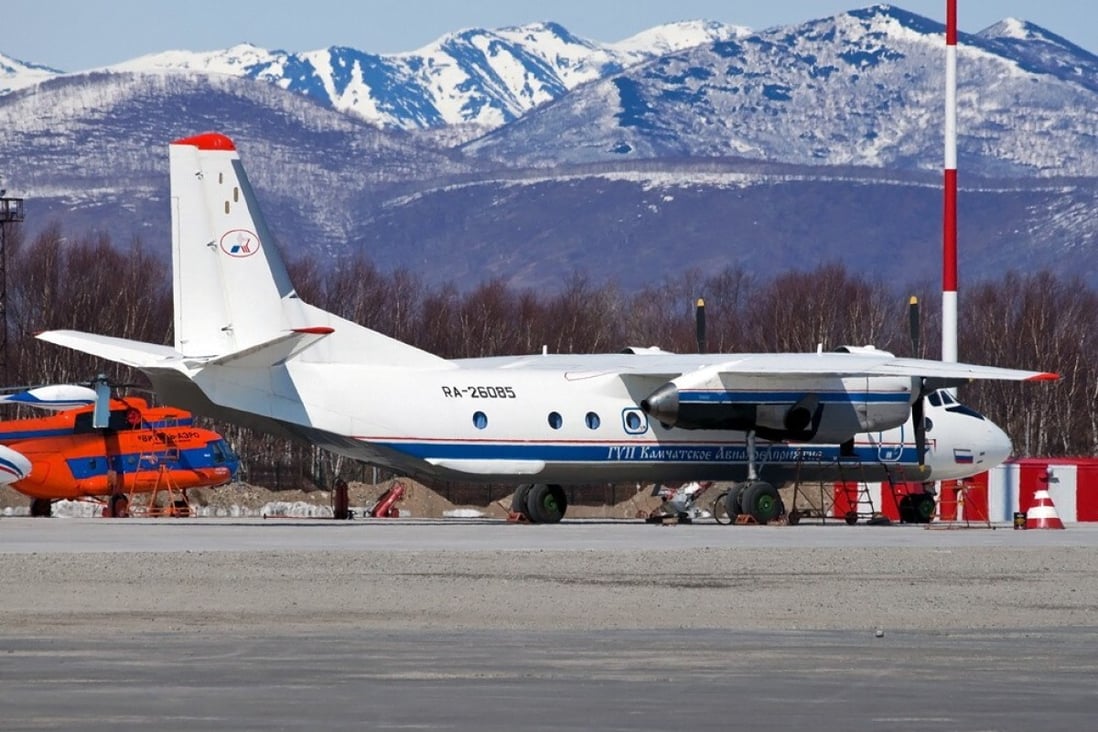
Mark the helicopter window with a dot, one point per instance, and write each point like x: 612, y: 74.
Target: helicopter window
x: 120, y: 419
x: 947, y: 398
x: 221, y: 451
x: 935, y: 399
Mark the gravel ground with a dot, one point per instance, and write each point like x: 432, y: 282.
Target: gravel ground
x: 728, y: 588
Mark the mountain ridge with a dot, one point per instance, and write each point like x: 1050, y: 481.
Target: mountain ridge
x: 818, y: 141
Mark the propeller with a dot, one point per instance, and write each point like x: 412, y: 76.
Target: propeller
x: 699, y: 324
x: 918, y: 407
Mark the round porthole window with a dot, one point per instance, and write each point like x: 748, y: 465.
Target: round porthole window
x: 480, y: 420
x: 592, y: 421
x: 555, y: 420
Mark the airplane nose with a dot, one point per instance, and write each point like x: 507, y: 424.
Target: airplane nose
x: 997, y: 447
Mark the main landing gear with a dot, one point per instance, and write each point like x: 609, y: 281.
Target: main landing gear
x: 753, y: 498
x: 539, y: 503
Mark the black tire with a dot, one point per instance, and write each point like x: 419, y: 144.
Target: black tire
x: 518, y: 500
x: 794, y: 517
x: 119, y: 506
x: 733, y: 501
x: 720, y: 509
x: 546, y: 503
x: 42, y: 507
x: 851, y: 518
x: 924, y: 508
x: 762, y: 502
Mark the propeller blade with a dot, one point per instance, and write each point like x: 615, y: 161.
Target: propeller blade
x: 699, y: 325
x: 101, y: 417
x: 918, y: 419
x: 914, y: 327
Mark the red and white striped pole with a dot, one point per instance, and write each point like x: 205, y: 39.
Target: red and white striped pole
x: 949, y: 232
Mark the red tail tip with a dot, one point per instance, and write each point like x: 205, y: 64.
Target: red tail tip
x: 208, y: 141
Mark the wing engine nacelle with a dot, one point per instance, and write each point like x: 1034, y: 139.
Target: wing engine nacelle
x: 823, y: 410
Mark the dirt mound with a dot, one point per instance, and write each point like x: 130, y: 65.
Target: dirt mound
x: 243, y: 499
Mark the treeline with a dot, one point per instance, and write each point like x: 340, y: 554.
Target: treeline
x: 1025, y: 320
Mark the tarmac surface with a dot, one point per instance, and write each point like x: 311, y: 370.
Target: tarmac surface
x: 218, y: 624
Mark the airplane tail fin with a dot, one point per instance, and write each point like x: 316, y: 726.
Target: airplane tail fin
x: 232, y: 292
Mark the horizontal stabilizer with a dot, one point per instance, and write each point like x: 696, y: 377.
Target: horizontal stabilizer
x: 273, y: 352
x: 121, y: 350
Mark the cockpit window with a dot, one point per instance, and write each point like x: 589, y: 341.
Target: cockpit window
x: 935, y: 399
x: 947, y: 398
x: 221, y: 451
x: 959, y: 408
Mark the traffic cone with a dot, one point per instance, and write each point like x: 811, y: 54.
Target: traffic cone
x: 1042, y: 514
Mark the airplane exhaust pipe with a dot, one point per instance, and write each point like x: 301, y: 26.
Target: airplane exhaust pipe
x: 800, y: 415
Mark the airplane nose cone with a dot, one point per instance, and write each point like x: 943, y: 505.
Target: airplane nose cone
x: 998, y: 446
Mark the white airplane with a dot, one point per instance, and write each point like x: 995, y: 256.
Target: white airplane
x: 248, y: 350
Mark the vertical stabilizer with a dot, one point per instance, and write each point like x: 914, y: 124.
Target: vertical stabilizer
x: 231, y: 288
x: 229, y: 279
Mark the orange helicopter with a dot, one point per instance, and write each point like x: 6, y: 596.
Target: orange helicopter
x: 109, y: 449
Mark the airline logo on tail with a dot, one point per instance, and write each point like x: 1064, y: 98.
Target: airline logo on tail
x: 239, y: 243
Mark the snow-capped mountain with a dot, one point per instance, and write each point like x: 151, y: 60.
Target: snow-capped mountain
x: 483, y: 78
x: 16, y: 74
x: 632, y: 162
x: 861, y: 88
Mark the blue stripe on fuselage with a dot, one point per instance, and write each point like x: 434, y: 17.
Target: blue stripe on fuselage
x: 721, y: 396
x: 626, y: 452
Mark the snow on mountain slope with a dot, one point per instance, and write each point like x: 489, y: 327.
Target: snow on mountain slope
x: 860, y: 88
x: 484, y: 78
x: 16, y: 74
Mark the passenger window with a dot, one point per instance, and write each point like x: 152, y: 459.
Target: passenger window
x: 634, y: 421
x: 592, y: 421
x: 555, y: 420
x: 480, y: 420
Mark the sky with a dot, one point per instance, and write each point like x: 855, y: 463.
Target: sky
x: 74, y: 35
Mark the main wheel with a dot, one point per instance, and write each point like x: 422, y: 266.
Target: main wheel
x: 720, y: 509
x: 518, y: 501
x: 762, y: 502
x: 118, y: 506
x: 733, y: 501
x: 41, y: 507
x: 546, y: 503
x: 924, y: 508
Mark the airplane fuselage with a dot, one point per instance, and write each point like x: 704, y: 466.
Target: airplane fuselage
x: 501, y: 420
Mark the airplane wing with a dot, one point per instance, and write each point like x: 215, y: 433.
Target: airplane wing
x: 855, y: 364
